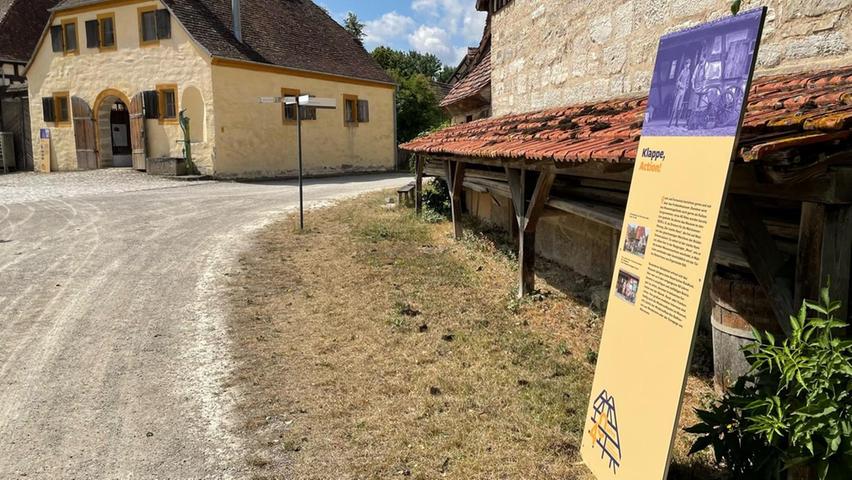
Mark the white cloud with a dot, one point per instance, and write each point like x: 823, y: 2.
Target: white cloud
x: 386, y: 28
x: 458, y: 17
x: 434, y: 40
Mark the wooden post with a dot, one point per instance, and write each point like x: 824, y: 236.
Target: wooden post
x: 527, y: 214
x: 418, y: 184
x: 455, y: 184
x: 825, y: 253
x: 763, y: 256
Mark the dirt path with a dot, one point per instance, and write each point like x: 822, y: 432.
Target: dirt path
x: 112, y: 348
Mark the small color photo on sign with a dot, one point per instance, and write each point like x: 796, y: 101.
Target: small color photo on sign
x: 636, y: 241
x: 627, y: 286
x: 699, y: 81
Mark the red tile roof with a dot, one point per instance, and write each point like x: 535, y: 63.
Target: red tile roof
x: 783, y: 111
x: 472, y: 84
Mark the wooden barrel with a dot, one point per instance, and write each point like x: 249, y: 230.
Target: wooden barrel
x: 738, y: 304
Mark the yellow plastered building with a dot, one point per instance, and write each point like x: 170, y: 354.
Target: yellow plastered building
x: 109, y: 78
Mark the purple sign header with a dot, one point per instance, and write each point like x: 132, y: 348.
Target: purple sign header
x: 701, y: 76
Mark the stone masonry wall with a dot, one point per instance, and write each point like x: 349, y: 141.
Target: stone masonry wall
x: 549, y: 53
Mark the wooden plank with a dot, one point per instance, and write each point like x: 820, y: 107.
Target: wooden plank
x: 517, y: 181
x: 809, y: 254
x: 455, y: 176
x: 609, y: 216
x: 837, y: 253
x: 538, y: 200
x: 418, y: 184
x: 763, y: 256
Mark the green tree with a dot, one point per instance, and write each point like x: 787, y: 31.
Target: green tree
x: 408, y: 63
x: 355, y: 27
x: 417, y: 109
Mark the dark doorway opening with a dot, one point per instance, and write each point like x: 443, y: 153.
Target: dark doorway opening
x: 119, y: 123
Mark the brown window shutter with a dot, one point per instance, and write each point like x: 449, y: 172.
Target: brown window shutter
x: 49, y: 109
x: 151, y: 101
x: 164, y: 24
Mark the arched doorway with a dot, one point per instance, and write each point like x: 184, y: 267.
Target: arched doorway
x: 119, y: 121
x: 116, y: 136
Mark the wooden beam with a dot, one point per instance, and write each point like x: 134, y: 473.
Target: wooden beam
x: 538, y: 200
x: 527, y: 213
x: 455, y: 184
x: 809, y: 254
x: 825, y: 253
x: 418, y: 184
x: 763, y: 256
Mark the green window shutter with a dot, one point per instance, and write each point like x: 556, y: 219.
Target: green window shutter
x: 49, y: 109
x: 56, y: 38
x: 151, y: 102
x: 164, y: 24
x: 93, y: 34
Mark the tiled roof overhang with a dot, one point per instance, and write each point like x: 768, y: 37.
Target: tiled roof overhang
x: 783, y: 112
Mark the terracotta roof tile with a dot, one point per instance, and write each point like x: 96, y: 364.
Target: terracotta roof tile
x: 472, y: 84
x: 783, y: 112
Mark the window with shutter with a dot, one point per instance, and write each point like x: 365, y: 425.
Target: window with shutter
x: 69, y: 36
x: 56, y: 39
x: 289, y: 111
x: 164, y: 24
x: 363, y: 111
x: 309, y: 113
x: 167, y: 95
x: 49, y: 109
x: 350, y: 110
x: 106, y: 32
x: 148, y: 26
x: 151, y: 103
x: 62, y: 109
x: 93, y: 34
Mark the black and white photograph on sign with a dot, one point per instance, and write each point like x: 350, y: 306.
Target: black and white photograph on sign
x: 627, y: 286
x: 637, y: 239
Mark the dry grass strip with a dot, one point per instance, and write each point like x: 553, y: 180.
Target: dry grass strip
x: 374, y: 346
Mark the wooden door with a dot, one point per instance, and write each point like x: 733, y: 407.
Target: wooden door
x: 84, y: 134
x: 137, y: 133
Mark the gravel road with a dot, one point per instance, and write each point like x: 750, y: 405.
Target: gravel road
x: 113, y: 348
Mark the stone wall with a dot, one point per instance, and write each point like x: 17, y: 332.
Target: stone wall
x: 548, y: 53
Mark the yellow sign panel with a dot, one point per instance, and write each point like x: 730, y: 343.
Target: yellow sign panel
x: 694, y: 113
x: 43, y: 158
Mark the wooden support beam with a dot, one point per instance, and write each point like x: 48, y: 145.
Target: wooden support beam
x: 455, y: 184
x: 825, y: 253
x: 527, y: 212
x: 418, y: 183
x: 538, y: 200
x: 763, y: 256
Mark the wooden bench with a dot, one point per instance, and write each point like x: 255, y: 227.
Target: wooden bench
x: 406, y: 193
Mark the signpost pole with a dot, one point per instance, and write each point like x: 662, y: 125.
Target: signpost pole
x: 301, y: 186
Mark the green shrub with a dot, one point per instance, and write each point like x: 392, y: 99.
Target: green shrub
x: 436, y: 197
x: 794, y: 408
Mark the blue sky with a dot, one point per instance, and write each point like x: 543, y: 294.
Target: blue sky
x: 443, y: 27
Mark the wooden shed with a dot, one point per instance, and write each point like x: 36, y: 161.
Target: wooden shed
x: 788, y: 220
